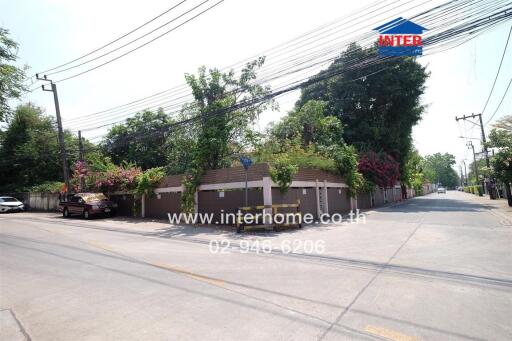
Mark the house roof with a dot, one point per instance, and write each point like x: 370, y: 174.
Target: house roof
x: 400, y: 26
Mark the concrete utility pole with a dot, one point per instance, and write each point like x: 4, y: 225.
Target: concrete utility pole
x: 465, y: 173
x: 63, y: 155
x: 82, y: 158
x: 470, y: 146
x: 484, y: 146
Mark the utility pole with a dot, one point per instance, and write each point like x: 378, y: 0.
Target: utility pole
x: 470, y: 146
x: 461, y: 177
x: 63, y: 156
x: 465, y: 173
x: 484, y: 146
x: 82, y: 158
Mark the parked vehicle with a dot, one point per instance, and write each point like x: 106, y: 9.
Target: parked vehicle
x: 87, y: 205
x: 10, y: 204
x: 441, y: 190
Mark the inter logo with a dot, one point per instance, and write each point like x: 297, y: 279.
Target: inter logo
x: 400, y: 37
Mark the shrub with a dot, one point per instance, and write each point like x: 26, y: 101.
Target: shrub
x: 48, y: 187
x: 282, y: 172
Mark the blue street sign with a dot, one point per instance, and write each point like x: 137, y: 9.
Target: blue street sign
x: 245, y: 161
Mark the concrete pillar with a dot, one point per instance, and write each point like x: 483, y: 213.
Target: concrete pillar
x: 326, y: 198
x: 353, y: 203
x: 317, y: 191
x: 196, y: 202
x: 143, y: 206
x: 267, y: 196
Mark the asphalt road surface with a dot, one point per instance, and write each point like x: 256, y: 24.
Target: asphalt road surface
x: 437, y: 267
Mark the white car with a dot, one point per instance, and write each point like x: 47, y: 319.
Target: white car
x: 441, y: 190
x: 10, y: 204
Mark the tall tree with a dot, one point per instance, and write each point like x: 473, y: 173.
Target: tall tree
x: 11, y: 76
x: 378, y: 103
x: 501, y: 139
x: 438, y: 169
x: 307, y: 125
x: 140, y: 140
x: 29, y: 149
x: 226, y: 107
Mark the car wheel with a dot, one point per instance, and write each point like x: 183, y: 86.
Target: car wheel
x: 87, y: 214
x: 65, y: 213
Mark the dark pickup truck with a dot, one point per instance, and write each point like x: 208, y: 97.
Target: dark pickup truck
x: 87, y: 205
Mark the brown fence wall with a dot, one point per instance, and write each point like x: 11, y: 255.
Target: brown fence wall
x: 338, y: 202
x: 158, y: 208
x: 307, y: 201
x: 211, y: 202
x: 378, y: 197
x: 363, y: 200
x: 125, y: 203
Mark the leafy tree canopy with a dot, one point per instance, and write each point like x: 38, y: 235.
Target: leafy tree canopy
x: 438, y: 169
x: 29, y: 149
x: 140, y: 140
x: 11, y: 76
x: 501, y: 139
x: 377, y: 103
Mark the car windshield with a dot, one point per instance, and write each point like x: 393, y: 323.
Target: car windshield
x: 8, y: 199
x: 94, y: 197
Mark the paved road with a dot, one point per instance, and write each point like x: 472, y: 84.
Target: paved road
x: 437, y: 267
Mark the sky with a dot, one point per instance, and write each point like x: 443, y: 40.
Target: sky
x: 51, y: 32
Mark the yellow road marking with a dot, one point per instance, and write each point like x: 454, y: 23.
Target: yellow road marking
x: 190, y: 274
x: 101, y: 246
x: 390, y: 334
x: 193, y: 275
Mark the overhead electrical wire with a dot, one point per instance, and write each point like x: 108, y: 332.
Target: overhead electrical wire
x: 131, y: 41
x: 260, y: 80
x: 142, y: 45
x: 300, y: 85
x: 440, y: 19
x: 239, y: 64
x: 116, y: 39
x: 499, y: 104
x: 498, y: 72
x: 151, y: 100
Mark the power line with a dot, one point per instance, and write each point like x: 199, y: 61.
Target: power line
x: 140, y: 46
x: 501, y: 101
x: 446, y: 35
x: 331, y: 49
x: 497, y: 73
x: 115, y: 40
x: 277, y: 48
x: 131, y: 41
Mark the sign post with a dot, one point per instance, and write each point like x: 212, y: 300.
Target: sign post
x: 246, y: 162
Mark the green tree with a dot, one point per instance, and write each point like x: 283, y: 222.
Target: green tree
x: 29, y: 149
x: 307, y: 125
x: 140, y: 140
x: 412, y: 174
x: 501, y: 139
x: 438, y: 169
x: 226, y: 107
x: 11, y: 76
x: 377, y: 103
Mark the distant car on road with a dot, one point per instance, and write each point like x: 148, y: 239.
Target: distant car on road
x: 441, y: 190
x: 87, y: 205
x: 10, y: 204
